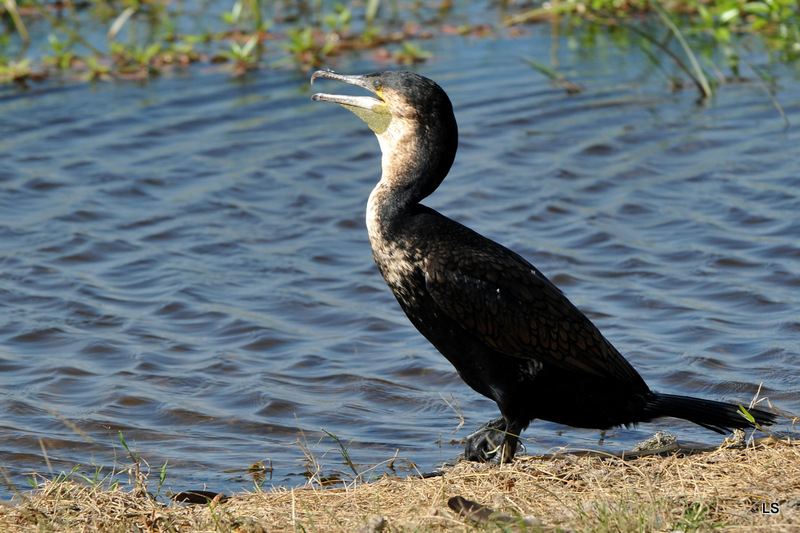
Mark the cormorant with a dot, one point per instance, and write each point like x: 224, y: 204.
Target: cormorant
x: 510, y: 333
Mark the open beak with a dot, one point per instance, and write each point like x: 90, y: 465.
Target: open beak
x: 374, y: 111
x: 364, y: 102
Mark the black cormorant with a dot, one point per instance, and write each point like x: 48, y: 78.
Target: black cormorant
x: 509, y: 332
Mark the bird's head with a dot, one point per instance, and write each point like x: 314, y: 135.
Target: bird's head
x: 411, y: 115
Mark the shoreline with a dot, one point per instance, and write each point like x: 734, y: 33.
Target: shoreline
x: 754, y: 487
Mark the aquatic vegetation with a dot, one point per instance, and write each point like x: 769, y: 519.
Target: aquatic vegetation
x: 410, y: 53
x: 16, y: 70
x: 135, y: 61
x: 243, y: 55
x: 778, y: 21
x: 704, y: 41
x: 96, y: 71
x: 308, y: 48
x: 63, y: 56
x: 107, y: 40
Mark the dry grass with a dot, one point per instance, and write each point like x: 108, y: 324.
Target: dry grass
x: 725, y: 489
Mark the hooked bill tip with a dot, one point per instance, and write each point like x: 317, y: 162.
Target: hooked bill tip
x: 319, y: 74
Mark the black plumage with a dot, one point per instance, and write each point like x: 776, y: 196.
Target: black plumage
x: 510, y: 333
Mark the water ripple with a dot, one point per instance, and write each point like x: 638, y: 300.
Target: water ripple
x: 187, y: 261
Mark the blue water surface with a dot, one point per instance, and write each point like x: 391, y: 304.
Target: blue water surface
x: 185, y: 261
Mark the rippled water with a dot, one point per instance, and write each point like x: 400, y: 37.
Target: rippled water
x: 186, y: 261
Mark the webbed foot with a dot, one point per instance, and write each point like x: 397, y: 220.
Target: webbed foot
x: 495, y: 442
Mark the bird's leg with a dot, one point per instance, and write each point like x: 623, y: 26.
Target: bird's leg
x: 497, y: 441
x: 510, y: 445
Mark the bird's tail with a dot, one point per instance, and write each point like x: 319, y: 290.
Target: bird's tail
x: 716, y: 416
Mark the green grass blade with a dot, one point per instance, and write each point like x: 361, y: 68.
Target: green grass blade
x: 700, y: 76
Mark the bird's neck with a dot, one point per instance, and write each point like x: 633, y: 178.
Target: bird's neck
x: 414, y: 162
x: 385, y: 207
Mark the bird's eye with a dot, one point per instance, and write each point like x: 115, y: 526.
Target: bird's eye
x: 377, y: 84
